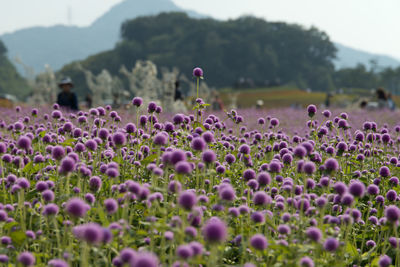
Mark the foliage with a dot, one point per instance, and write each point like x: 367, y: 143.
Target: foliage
x: 247, y: 47
x: 10, y: 81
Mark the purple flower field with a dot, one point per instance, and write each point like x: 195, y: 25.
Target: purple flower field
x: 244, y: 188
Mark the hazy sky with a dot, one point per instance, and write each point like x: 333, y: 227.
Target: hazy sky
x: 371, y: 25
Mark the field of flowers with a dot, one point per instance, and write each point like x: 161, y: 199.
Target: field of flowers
x: 242, y: 188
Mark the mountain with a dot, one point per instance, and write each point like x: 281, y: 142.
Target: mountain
x: 348, y: 57
x: 247, y: 47
x: 10, y: 81
x: 59, y: 45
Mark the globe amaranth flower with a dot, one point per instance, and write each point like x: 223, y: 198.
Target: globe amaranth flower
x: 331, y: 165
x: 259, y: 242
x: 58, y: 263
x: 76, y: 207
x: 392, y: 213
x: 384, y: 261
x: 183, y: 167
x: 187, y: 199
x: 160, y: 139
x: 137, y: 101
x: 111, y: 205
x: 91, y: 233
x: 314, y: 234
x: 311, y: 109
x: 215, y: 231
x: 208, y: 156
x: 357, y: 188
x: 145, y: 259
x: 26, y: 259
x: 198, y: 72
x: 331, y: 244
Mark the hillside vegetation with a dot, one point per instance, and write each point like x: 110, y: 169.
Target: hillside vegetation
x: 265, y: 52
x: 10, y: 81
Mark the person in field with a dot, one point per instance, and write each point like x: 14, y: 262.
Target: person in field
x: 66, y: 98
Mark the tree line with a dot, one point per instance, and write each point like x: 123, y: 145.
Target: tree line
x: 10, y: 81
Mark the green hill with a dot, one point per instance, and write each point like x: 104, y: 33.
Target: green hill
x: 247, y: 47
x: 10, y: 81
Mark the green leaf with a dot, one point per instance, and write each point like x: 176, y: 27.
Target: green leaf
x: 149, y: 159
x: 42, y: 133
x: 351, y: 250
x: 28, y: 167
x: 118, y: 160
x: 198, y: 124
x: 18, y: 237
x: 9, y: 225
x: 68, y: 142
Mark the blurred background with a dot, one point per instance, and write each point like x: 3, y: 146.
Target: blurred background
x: 254, y: 53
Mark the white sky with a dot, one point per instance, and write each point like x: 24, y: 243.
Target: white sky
x: 371, y: 25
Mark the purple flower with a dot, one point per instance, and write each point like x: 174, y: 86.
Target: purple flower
x: 67, y: 165
x: 306, y: 262
x: 145, y: 259
x: 48, y: 195
x: 198, y: 72
x: 226, y: 192
x: 384, y: 171
x: 261, y: 198
x: 392, y: 213
x: 111, y: 205
x: 198, y: 144
x: 184, y: 252
x: 50, y: 210
x: 357, y: 189
x: 309, y: 168
x: 314, y: 234
x: 24, y: 142
x: 160, y: 139
x: 26, y: 259
x: 311, y: 109
x: 92, y: 233
x: 91, y: 144
x: 137, y: 101
x: 76, y: 207
x: 331, y: 165
x: 208, y: 156
x: 331, y: 244
x: 183, y: 167
x: 57, y: 152
x: 263, y: 178
x: 187, y: 199
x: 384, y: 261
x: 249, y: 174
x: 127, y: 255
x: 58, y: 263
x: 119, y: 138
x: 95, y: 183
x: 151, y: 107
x: 176, y: 156
x: 259, y: 242
x: 215, y: 230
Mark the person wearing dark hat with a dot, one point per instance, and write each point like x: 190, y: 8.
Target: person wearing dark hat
x: 67, y: 98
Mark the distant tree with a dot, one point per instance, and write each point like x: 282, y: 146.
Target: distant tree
x: 3, y: 48
x: 246, y: 47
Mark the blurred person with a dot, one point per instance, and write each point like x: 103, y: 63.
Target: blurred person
x: 328, y: 100
x: 382, y: 97
x: 67, y: 98
x: 178, y: 93
x: 88, y: 100
x: 390, y: 102
x: 259, y: 104
x: 216, y: 103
